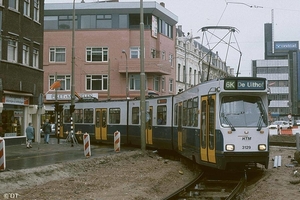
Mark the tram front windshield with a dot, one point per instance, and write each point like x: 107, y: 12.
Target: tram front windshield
x: 243, y: 111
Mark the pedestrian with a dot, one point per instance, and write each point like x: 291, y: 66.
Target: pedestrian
x: 29, y: 135
x: 47, y: 131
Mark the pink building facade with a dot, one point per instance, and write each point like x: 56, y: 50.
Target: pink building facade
x: 106, y: 48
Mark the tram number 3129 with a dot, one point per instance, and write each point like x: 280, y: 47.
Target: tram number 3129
x: 246, y: 147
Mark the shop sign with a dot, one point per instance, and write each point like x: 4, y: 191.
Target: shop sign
x: 18, y: 113
x: 63, y: 96
x: 16, y: 100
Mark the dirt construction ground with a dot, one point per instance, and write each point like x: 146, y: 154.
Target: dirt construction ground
x: 137, y: 176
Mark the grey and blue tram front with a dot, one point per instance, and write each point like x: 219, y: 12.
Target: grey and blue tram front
x: 243, y: 128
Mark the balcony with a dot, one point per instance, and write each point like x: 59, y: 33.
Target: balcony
x: 154, y: 66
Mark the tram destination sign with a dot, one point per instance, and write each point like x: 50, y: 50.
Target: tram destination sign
x: 247, y: 84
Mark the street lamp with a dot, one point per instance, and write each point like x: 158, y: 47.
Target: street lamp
x: 123, y: 51
x: 185, y: 74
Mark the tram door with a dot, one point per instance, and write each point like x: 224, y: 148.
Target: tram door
x: 179, y: 122
x: 101, y: 124
x: 207, y: 130
x: 149, y: 126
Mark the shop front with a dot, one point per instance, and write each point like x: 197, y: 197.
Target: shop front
x: 13, y: 118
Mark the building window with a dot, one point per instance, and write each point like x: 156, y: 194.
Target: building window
x: 12, y: 51
x: 25, y: 54
x: 156, y: 83
x: 165, y: 29
x: 171, y: 85
x: 66, y: 22
x: 96, y: 54
x: 171, y: 59
x: 65, y: 81
x: 184, y: 74
x: 134, y: 52
x: 57, y: 54
x: 163, y: 55
x: 190, y: 76
x: 195, y: 77
x: 104, y: 21
x: 35, y: 58
x: 163, y: 84
x: 123, y: 21
x: 88, y: 21
x: 50, y: 22
x: 36, y: 10
x: 134, y: 82
x: 96, y: 82
x: 179, y: 73
x: 153, y: 53
x: 27, y: 8
x: 13, y: 4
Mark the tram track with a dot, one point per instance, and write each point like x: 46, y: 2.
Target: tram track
x: 209, y: 185
x: 283, y: 144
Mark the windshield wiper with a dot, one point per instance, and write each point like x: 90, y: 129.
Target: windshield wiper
x: 259, y: 123
x: 227, y: 121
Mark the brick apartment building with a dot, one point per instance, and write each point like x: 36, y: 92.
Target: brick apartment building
x: 107, y: 45
x: 21, y: 67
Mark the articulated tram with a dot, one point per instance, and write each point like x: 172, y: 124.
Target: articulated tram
x: 220, y: 123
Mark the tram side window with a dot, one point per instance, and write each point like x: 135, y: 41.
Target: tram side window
x: 135, y: 115
x: 114, y: 115
x: 195, y: 112
x: 203, y: 124
x: 161, y: 115
x: 78, y: 116
x: 88, y: 115
x: 211, y: 124
x: 176, y: 114
x: 185, y: 114
x: 190, y: 113
x: 67, y: 116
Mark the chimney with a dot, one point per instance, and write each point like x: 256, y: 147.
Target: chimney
x: 163, y: 4
x: 180, y: 28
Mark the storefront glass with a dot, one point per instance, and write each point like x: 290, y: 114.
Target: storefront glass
x: 12, y: 121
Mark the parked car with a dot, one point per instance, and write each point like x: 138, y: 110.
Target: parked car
x: 297, y: 122
x: 52, y: 130
x: 282, y: 124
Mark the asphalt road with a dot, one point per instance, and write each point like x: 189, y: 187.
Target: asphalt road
x: 19, y: 157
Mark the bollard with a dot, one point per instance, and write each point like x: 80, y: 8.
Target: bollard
x: 117, y: 140
x: 275, y: 161
x: 2, y: 154
x: 86, y: 145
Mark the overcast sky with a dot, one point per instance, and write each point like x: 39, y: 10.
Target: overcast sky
x: 248, y: 16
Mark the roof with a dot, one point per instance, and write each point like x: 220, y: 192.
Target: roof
x: 113, y: 7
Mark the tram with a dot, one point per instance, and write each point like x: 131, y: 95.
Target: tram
x: 221, y: 123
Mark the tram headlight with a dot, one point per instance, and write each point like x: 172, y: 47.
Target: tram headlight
x: 229, y: 147
x: 262, y: 147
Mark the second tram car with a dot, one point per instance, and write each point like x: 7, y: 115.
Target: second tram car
x: 220, y: 123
